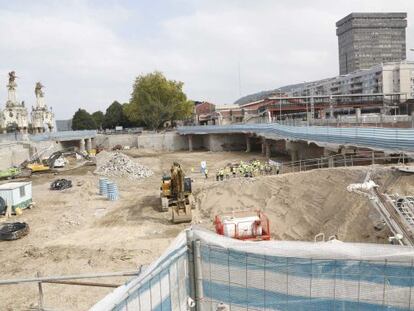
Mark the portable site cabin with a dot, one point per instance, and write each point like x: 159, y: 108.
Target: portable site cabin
x: 15, y: 194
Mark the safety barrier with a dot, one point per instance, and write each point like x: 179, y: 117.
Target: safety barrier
x: 387, y: 139
x: 271, y: 275
x: 164, y: 285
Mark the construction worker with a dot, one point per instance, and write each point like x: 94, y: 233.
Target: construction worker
x: 227, y: 172
x: 217, y: 175
x: 233, y: 171
x: 262, y: 169
x: 221, y: 174
x: 206, y: 173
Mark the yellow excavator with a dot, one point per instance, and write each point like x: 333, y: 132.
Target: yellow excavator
x: 176, y: 192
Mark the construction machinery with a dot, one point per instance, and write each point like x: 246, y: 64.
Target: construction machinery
x: 244, y: 225
x: 15, y: 172
x: 176, y: 193
x: 55, y: 160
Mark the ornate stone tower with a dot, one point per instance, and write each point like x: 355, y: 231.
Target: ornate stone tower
x: 14, y: 117
x: 42, y: 118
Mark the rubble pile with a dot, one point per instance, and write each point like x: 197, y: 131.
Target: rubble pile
x: 120, y: 165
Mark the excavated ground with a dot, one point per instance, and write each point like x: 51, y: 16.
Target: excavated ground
x: 76, y: 231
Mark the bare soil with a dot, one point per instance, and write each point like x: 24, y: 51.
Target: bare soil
x: 76, y: 231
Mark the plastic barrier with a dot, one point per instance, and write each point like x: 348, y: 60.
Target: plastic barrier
x: 271, y: 275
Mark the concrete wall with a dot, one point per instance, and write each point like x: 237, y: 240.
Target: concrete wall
x: 303, y: 150
x: 109, y: 141
x: 229, y: 142
x: 13, y: 154
x: 169, y: 141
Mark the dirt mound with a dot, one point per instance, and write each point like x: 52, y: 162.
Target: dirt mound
x: 116, y: 164
x: 299, y: 205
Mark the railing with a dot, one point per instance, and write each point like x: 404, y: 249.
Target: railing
x: 67, y: 280
x: 345, y: 160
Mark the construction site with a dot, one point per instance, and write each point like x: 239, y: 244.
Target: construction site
x: 297, y: 198
x: 78, y: 231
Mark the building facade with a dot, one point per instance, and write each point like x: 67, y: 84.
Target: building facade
x: 388, y: 78
x: 367, y: 39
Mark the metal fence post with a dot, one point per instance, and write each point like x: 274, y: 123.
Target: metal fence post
x: 198, y: 275
x: 190, y: 253
x: 39, y: 284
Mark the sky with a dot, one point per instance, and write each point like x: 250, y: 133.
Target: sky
x: 88, y: 53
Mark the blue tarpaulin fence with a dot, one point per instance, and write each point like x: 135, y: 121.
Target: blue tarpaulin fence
x: 271, y: 275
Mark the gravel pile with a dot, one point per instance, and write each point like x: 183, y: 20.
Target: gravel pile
x: 120, y: 165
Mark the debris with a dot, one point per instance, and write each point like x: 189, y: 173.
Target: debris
x: 120, y: 165
x: 61, y: 184
x: 13, y: 230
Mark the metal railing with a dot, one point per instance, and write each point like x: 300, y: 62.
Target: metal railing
x: 344, y: 160
x: 39, y: 280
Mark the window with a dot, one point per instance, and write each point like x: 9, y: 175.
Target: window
x: 22, y: 191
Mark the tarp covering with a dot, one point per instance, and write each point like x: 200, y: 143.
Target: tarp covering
x: 273, y: 275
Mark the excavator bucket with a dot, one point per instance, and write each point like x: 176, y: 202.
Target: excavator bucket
x: 181, y: 213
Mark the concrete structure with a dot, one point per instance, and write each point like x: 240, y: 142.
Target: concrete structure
x: 43, y: 119
x: 300, y: 143
x: 14, y: 117
x: 367, y: 39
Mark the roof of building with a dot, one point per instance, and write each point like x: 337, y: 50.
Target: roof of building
x: 14, y: 185
x: 373, y: 15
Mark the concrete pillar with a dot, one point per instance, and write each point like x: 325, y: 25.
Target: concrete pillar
x: 412, y: 119
x: 331, y: 112
x: 263, y: 148
x: 268, y: 150
x: 248, y: 144
x: 190, y: 143
x: 82, y: 145
x: 331, y: 162
x: 358, y: 114
x: 88, y: 144
x: 35, y: 130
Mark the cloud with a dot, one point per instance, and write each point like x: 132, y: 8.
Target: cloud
x: 88, y: 53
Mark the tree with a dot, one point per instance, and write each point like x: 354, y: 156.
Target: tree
x: 98, y: 117
x: 114, y: 116
x: 82, y: 120
x: 155, y: 100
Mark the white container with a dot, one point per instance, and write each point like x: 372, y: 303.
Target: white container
x: 17, y: 194
x: 244, y: 226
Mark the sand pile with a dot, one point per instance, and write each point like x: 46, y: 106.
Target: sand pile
x: 120, y: 165
x: 299, y: 206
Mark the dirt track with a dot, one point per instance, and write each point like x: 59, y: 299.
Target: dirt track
x: 76, y: 231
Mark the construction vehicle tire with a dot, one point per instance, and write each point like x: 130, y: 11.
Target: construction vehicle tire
x: 2, y: 206
x: 13, y: 231
x: 192, y: 201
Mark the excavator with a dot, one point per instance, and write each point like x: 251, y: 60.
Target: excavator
x: 176, y: 192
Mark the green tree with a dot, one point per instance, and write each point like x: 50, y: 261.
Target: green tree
x: 98, y: 117
x: 156, y: 100
x: 82, y: 120
x: 114, y: 116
